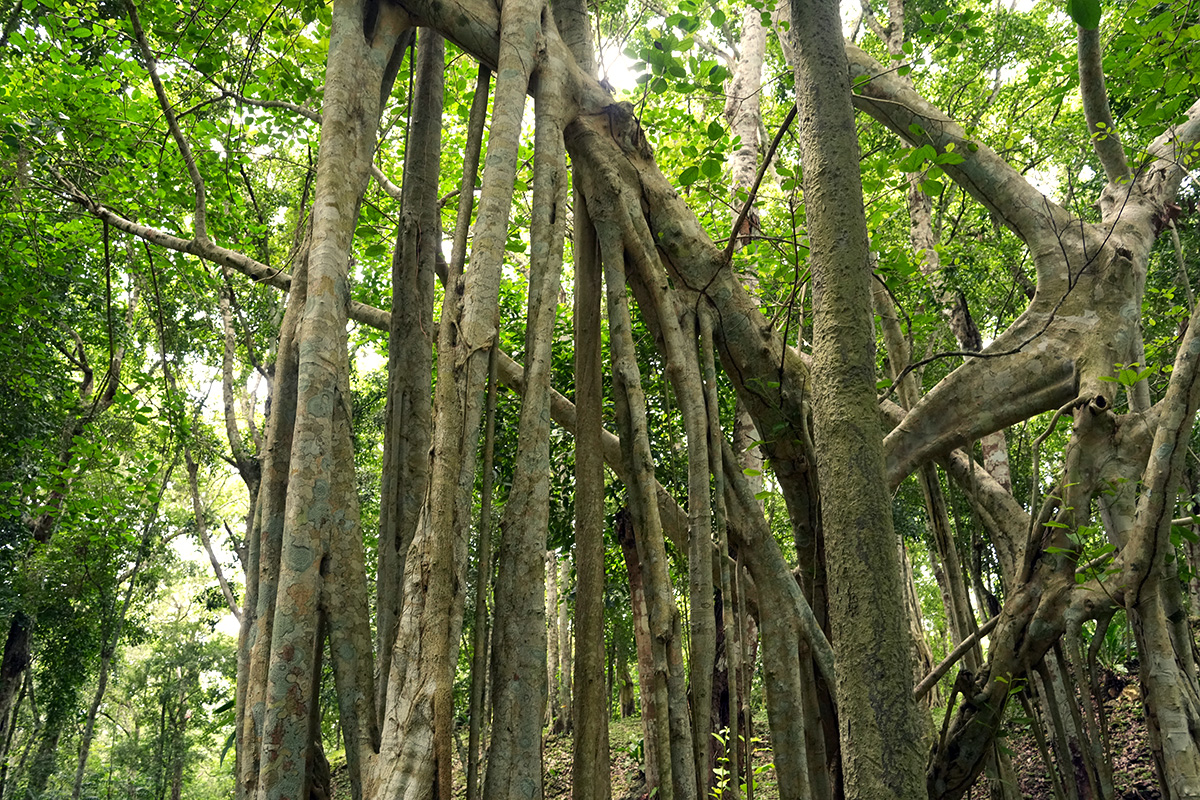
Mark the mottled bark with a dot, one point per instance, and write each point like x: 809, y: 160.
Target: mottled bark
x: 627, y: 538
x: 550, y: 578
x: 408, y: 413
x: 877, y: 714
x: 726, y: 649
x: 566, y: 651
x: 483, y: 589
x: 663, y: 310
x: 417, y: 744
x: 519, y: 692
x: 318, y: 568
x: 590, y: 772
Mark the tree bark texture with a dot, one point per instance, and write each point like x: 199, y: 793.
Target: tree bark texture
x: 590, y: 772
x: 876, y: 712
x: 1090, y: 282
x: 519, y: 659
x: 408, y: 414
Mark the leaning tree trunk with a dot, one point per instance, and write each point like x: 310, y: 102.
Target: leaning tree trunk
x: 662, y: 309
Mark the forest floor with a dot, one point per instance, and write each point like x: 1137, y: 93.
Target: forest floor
x: 1133, y: 768
x: 1133, y: 765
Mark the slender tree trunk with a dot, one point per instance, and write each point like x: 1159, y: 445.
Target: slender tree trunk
x: 726, y: 647
x: 408, y: 415
x: 627, y: 537
x: 6, y: 745
x: 483, y: 586
x: 590, y: 772
x: 319, y: 566
x: 662, y: 310
x: 566, y: 651
x: 519, y: 693
x: 417, y: 745
x: 550, y: 576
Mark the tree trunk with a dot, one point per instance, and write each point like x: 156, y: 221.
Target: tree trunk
x: 590, y: 772
x: 313, y: 512
x: 408, y: 414
x: 651, y: 709
x: 550, y: 576
x: 675, y: 756
x: 483, y: 586
x: 566, y: 653
x: 881, y: 758
x: 518, y: 664
x: 417, y: 745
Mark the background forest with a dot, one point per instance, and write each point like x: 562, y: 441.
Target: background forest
x: 279, y: 512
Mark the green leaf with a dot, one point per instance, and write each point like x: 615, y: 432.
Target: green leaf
x: 711, y: 168
x: 715, y: 131
x: 689, y: 176
x: 717, y: 18
x: 1086, y: 13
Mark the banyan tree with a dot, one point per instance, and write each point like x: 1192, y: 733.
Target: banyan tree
x: 845, y: 719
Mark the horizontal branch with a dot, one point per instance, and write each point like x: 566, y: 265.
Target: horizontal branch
x: 255, y: 270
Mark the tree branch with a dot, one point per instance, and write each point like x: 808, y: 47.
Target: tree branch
x: 185, y: 149
x: 985, y: 175
x: 930, y: 680
x: 1096, y: 109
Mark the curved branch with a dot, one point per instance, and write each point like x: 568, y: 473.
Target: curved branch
x: 1171, y: 156
x: 1095, y: 107
x: 880, y: 92
x: 239, y: 262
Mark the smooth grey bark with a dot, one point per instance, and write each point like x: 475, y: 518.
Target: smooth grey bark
x: 918, y: 438
x: 591, y: 776
x: 781, y: 634
x: 728, y: 630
